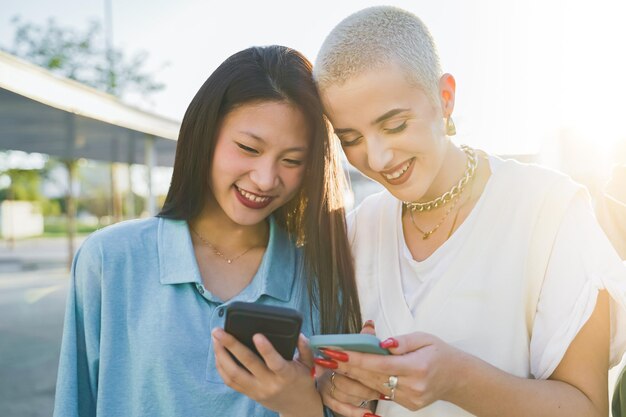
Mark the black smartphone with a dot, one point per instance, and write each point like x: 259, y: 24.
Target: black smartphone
x: 280, y: 325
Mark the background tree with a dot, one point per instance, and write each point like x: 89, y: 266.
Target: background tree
x: 81, y: 55
x: 24, y: 185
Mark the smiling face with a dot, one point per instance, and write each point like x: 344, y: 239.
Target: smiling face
x: 390, y: 131
x: 259, y: 160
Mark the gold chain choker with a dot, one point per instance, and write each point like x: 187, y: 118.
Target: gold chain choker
x: 454, y: 191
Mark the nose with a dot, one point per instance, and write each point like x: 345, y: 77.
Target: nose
x: 378, y: 154
x: 265, y: 175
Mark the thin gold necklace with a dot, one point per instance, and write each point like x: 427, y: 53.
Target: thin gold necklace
x: 216, y: 251
x: 427, y: 234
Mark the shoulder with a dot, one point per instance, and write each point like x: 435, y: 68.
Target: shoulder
x: 528, y: 175
x: 527, y: 186
x: 121, y: 236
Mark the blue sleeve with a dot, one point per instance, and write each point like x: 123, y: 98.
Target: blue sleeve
x: 77, y: 380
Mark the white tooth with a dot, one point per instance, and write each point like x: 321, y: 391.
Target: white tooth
x: 399, y: 172
x: 253, y: 197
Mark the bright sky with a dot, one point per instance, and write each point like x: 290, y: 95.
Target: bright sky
x: 526, y: 69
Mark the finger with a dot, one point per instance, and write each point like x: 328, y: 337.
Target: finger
x: 328, y: 397
x: 305, y: 354
x: 345, y: 409
x: 350, y: 391
x: 245, y: 356
x: 400, y: 345
x: 274, y: 361
x: 372, y: 370
x: 232, y: 374
x: 368, y: 328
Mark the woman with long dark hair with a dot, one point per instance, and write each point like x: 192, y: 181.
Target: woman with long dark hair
x: 254, y: 213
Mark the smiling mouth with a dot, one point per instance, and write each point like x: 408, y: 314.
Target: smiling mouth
x: 398, y: 175
x: 252, y: 200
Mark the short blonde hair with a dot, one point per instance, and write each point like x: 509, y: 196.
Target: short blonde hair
x: 373, y: 38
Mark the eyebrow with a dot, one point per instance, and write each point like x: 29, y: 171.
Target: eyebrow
x: 388, y: 115
x: 260, y: 139
x: 382, y: 118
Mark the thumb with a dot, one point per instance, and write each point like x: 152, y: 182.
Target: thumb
x: 368, y: 328
x: 411, y: 342
x: 305, y: 354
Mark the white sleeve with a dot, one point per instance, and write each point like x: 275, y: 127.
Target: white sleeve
x: 582, y: 263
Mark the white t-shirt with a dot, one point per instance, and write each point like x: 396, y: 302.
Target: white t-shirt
x: 476, y: 291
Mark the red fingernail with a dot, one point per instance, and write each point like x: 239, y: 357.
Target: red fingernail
x: 389, y: 343
x: 370, y: 415
x: 326, y: 363
x: 313, y: 371
x: 369, y: 323
x: 384, y: 397
x: 336, y: 355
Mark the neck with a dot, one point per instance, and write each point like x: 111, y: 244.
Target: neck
x: 450, y: 172
x: 215, y: 226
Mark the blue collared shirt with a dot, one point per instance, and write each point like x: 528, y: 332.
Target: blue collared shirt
x: 137, y: 336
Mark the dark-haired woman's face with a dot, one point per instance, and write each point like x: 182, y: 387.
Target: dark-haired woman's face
x: 259, y: 160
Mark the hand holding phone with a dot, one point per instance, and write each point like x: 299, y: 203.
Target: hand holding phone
x: 280, y: 325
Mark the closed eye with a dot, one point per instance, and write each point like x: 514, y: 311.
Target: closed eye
x: 396, y: 129
x: 293, y: 162
x: 350, y: 142
x: 247, y: 148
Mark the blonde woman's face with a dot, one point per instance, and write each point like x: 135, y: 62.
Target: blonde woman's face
x: 389, y: 130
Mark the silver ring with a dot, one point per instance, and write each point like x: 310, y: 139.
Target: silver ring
x: 392, y: 383
x: 364, y: 404
x: 332, y: 384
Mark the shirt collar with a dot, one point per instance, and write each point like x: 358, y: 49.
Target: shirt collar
x: 177, y: 260
x: 275, y: 276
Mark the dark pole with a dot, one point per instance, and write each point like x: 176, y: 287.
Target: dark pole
x: 71, y: 209
x: 116, y: 200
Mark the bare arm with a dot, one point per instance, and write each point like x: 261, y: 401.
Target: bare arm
x: 577, y: 387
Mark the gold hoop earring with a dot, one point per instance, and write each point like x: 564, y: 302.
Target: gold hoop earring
x: 450, y: 127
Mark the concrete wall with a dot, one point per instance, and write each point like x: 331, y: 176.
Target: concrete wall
x: 20, y: 219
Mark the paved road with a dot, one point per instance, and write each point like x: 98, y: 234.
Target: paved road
x: 33, y: 288
x: 35, y: 254
x: 31, y: 320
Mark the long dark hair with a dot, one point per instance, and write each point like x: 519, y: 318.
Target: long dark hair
x: 315, y: 218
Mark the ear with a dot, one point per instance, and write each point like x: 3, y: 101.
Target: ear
x: 447, y: 91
